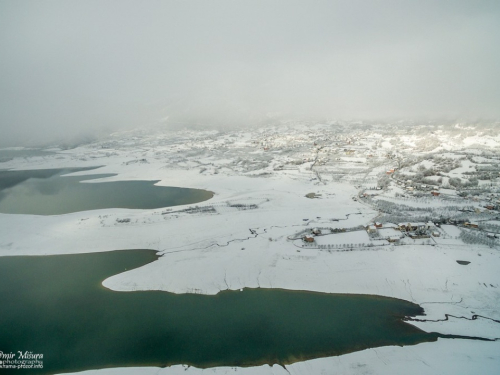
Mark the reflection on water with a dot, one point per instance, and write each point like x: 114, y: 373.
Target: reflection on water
x: 56, y: 305
x: 48, y: 192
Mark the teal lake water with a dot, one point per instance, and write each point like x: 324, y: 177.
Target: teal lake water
x: 56, y: 306
x: 48, y: 192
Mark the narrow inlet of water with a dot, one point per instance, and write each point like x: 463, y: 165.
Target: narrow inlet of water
x: 49, y: 192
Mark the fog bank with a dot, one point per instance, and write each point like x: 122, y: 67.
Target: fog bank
x: 76, y: 69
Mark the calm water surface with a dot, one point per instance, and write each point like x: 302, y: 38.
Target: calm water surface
x: 48, y: 192
x: 56, y: 306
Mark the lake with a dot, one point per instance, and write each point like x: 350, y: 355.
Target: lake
x: 56, y: 306
x: 49, y: 192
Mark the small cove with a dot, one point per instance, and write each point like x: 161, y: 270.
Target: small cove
x: 49, y: 192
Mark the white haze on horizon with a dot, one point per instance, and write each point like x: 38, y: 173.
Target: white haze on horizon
x: 76, y: 68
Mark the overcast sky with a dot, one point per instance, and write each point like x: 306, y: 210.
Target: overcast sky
x: 70, y: 68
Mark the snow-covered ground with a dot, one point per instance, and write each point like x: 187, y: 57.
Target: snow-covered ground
x: 232, y: 248
x: 444, y: 357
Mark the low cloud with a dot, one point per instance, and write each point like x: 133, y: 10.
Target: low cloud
x: 73, y: 70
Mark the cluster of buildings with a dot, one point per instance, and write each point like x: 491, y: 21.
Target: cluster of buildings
x: 413, y: 230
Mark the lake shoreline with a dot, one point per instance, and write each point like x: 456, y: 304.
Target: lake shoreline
x: 64, y: 278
